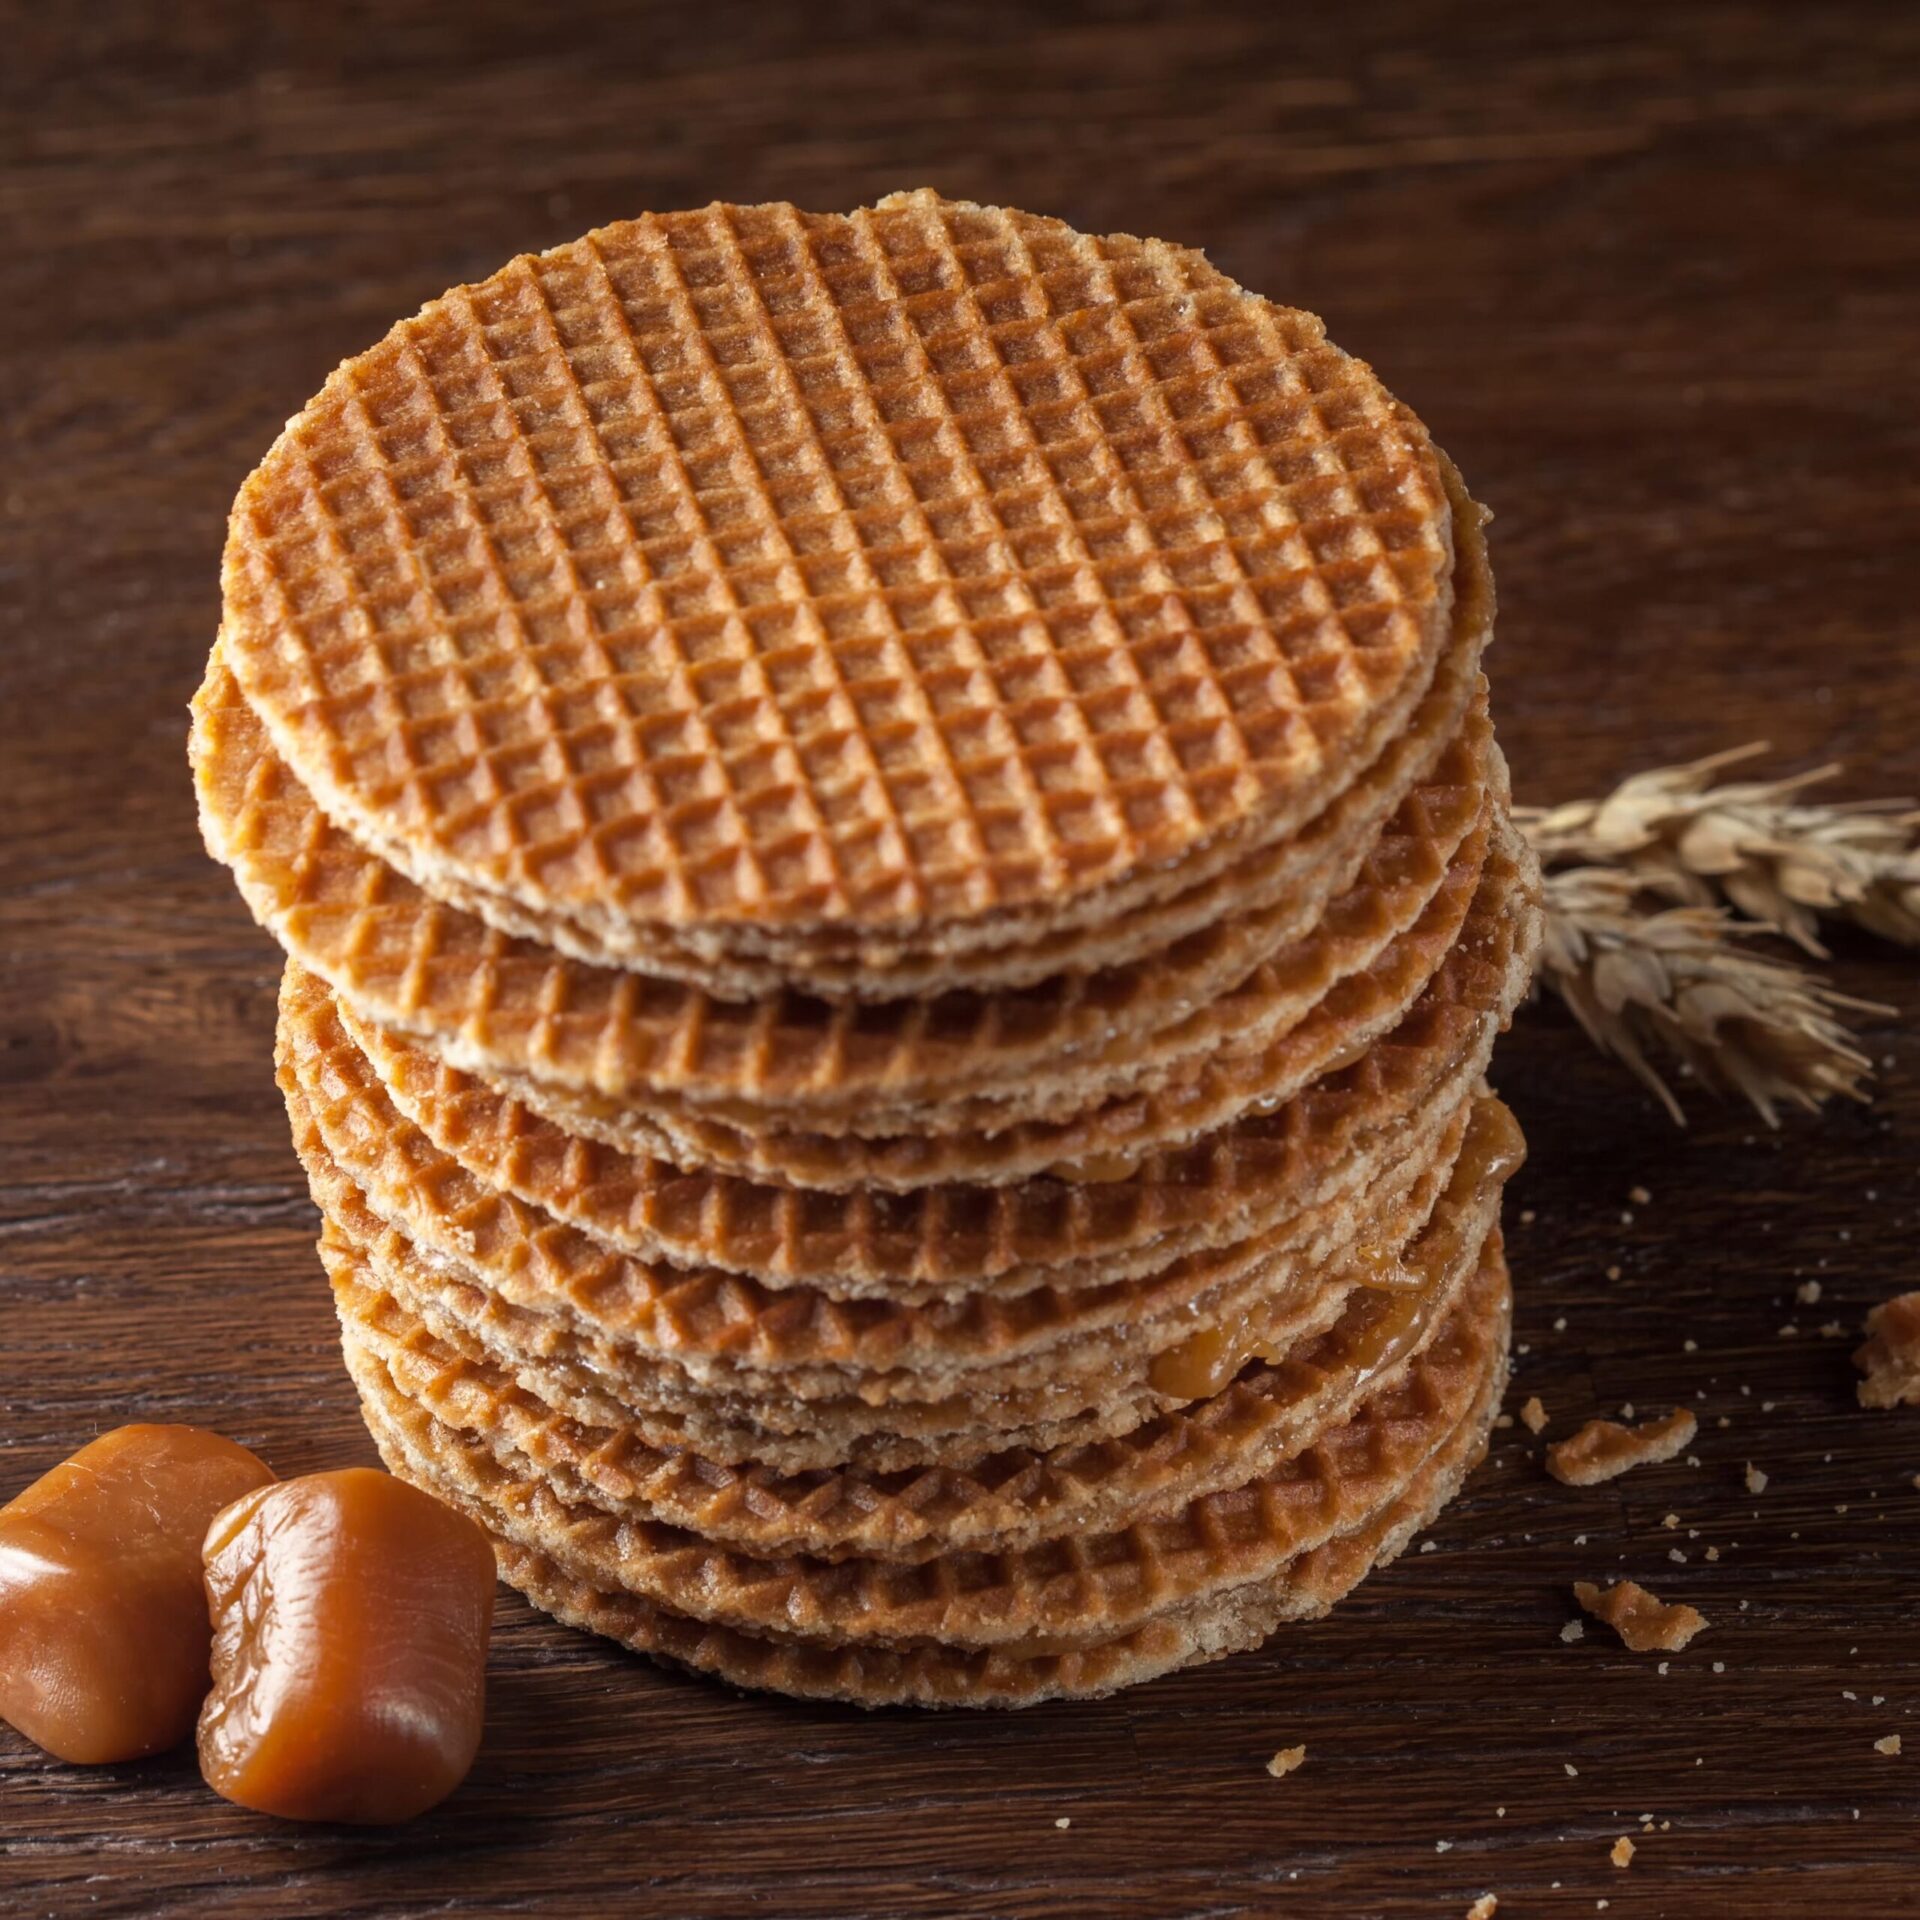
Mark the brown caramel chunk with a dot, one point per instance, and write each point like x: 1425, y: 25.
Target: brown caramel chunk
x: 1890, y: 1355
x: 1604, y: 1449
x: 103, y: 1623
x: 1644, y: 1624
x: 350, y: 1623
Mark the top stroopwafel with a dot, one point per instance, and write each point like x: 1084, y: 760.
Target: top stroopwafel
x: 744, y: 572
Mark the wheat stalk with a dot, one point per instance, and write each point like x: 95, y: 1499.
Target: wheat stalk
x: 1751, y: 844
x: 1680, y: 982
x: 1641, y: 946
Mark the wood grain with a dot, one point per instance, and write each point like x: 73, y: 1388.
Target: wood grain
x: 1653, y: 276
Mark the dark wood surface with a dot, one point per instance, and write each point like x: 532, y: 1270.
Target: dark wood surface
x: 1653, y: 276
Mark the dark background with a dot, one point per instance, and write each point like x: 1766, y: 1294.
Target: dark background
x: 1652, y: 274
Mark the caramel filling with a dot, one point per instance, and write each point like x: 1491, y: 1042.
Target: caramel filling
x: 1380, y: 1330
x: 1096, y: 1170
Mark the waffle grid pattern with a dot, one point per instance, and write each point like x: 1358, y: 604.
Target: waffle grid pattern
x: 1008, y: 1496
x: 610, y: 580
x: 898, y: 891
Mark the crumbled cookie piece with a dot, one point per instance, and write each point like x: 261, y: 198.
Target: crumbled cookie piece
x: 1890, y: 1746
x: 1573, y: 1631
x: 1533, y: 1416
x: 1485, y: 1907
x: 1284, y: 1762
x: 1622, y: 1854
x: 1808, y: 1293
x: 1604, y: 1449
x: 1890, y: 1356
x: 1756, y: 1480
x: 1644, y: 1623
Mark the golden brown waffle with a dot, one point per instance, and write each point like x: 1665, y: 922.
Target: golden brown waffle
x: 1107, y: 1583
x: 898, y: 891
x: 981, y: 1063
x: 753, y: 569
x: 625, y: 1316
x: 1011, y: 1496
x: 1040, y: 1232
x: 946, y: 1408
x: 1383, y: 1474
x: 1240, y: 1064
x: 506, y: 1005
x: 1126, y: 918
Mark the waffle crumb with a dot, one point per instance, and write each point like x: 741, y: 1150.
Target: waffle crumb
x: 1890, y: 1355
x: 1890, y: 1746
x: 1284, y: 1762
x: 1756, y: 1480
x: 1604, y: 1449
x: 1485, y: 1907
x: 1622, y: 1854
x: 1533, y: 1416
x: 1644, y: 1623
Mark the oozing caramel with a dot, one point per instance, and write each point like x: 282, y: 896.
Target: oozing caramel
x: 1492, y: 1153
x: 350, y: 1623
x: 103, y: 1621
x: 1096, y: 1170
x: 1206, y: 1361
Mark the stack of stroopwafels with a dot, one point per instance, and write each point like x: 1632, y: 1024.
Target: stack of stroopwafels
x: 898, y: 892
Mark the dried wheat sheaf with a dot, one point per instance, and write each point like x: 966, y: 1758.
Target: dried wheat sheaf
x: 1655, y: 894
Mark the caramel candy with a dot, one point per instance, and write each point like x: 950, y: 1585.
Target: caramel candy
x: 350, y: 1622
x: 103, y: 1621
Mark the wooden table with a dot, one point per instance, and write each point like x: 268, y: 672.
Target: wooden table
x: 1653, y: 275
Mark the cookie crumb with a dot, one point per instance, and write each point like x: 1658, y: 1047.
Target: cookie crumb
x: 1640, y: 1196
x: 1574, y: 1630
x: 1533, y: 1416
x: 1063, y: 1822
x: 1604, y: 1449
x: 1284, y: 1762
x: 1756, y: 1480
x: 1622, y: 1854
x: 1808, y: 1293
x: 1644, y: 1623
x: 1484, y: 1908
x: 1890, y: 1356
x: 1890, y: 1746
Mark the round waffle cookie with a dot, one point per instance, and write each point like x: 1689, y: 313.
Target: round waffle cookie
x: 746, y: 572
x: 937, y: 1240
x: 510, y: 1005
x: 1260, y: 1414
x: 1216, y: 1578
